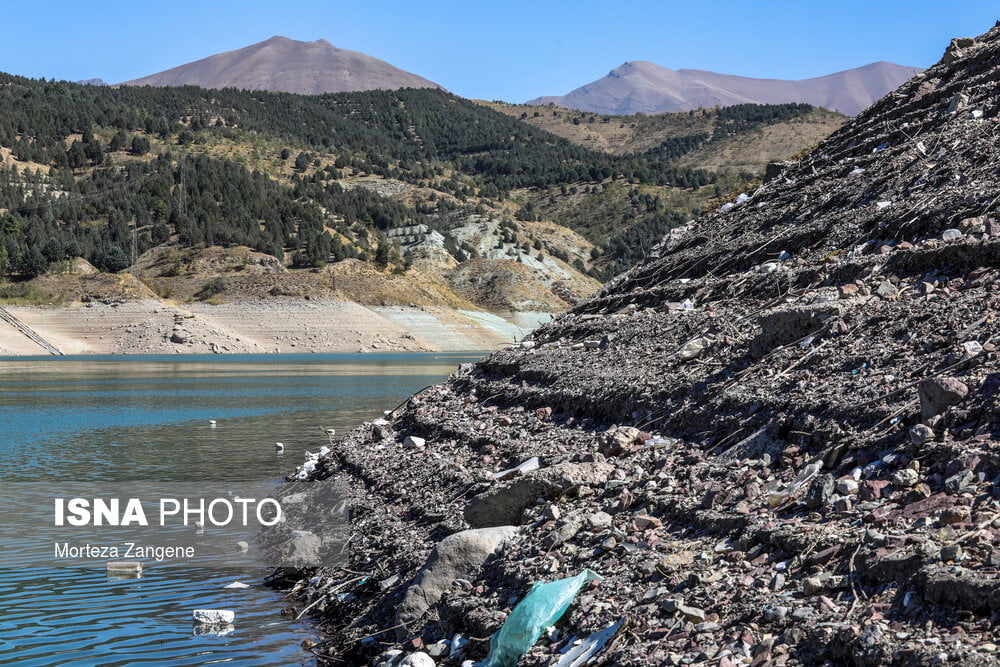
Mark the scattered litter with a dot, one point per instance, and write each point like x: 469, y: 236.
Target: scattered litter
x: 213, y: 616
x: 544, y: 604
x: 581, y: 651
x: 532, y: 464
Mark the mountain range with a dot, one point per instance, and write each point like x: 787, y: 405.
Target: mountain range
x: 291, y: 66
x: 311, y: 68
x: 641, y: 86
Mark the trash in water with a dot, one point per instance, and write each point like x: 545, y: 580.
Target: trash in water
x: 213, y: 616
x: 541, y: 607
x: 121, y: 567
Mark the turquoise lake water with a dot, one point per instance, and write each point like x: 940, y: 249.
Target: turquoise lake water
x: 105, y: 420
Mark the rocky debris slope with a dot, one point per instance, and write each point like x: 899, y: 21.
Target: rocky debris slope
x: 776, y: 441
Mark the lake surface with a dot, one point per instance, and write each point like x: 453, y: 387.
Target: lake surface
x: 107, y: 420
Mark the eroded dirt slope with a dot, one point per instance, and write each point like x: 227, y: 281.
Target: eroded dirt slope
x: 777, y: 441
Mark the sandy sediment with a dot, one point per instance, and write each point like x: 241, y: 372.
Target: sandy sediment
x: 147, y: 326
x: 13, y: 343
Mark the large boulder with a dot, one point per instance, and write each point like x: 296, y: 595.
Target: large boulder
x: 939, y: 394
x: 458, y: 556
x: 503, y: 504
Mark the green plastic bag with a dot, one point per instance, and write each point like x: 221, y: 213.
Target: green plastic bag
x: 541, y: 607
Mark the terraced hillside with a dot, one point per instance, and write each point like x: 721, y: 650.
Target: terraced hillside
x: 775, y: 440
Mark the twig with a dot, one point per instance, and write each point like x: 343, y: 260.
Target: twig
x: 854, y: 589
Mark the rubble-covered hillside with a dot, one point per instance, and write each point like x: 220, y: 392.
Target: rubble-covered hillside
x: 776, y: 442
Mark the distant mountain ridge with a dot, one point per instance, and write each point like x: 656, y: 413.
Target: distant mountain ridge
x: 287, y: 65
x: 642, y: 86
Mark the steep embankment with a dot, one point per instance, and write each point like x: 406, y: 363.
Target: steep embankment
x: 815, y: 375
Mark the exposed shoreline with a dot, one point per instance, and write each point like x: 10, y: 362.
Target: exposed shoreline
x: 148, y: 326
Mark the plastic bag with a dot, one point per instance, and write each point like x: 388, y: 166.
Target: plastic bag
x: 541, y: 607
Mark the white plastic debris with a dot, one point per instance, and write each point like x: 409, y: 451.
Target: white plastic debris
x: 972, y: 347
x: 413, y: 441
x: 237, y: 585
x: 769, y: 267
x: 125, y: 566
x: 727, y: 206
x: 743, y: 197
x: 776, y: 498
x: 976, y: 113
x: 458, y: 646
x: 687, y: 304
x: 534, y: 463
x: 213, y: 616
x: 952, y: 235
x: 857, y: 171
x: 883, y: 204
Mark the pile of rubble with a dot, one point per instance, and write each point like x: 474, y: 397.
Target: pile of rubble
x: 776, y: 441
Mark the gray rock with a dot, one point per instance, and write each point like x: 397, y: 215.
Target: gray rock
x: 812, y: 585
x: 438, y: 649
x: 820, y: 491
x: 418, y: 659
x: 502, y: 505
x: 772, y: 614
x: 921, y: 433
x: 938, y: 394
x: 302, y: 549
x: 847, y: 486
x: 961, y: 100
x: 906, y: 477
x: 803, y: 614
x: 693, y: 349
x: 599, y: 520
x: 388, y: 658
x: 458, y: 556
x: 693, y: 614
x: 959, y: 481
x: 562, y: 534
x: 886, y: 290
x: 619, y: 439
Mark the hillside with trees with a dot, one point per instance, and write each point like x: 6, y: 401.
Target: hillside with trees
x: 108, y: 174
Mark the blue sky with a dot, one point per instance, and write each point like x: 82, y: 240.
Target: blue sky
x: 504, y: 49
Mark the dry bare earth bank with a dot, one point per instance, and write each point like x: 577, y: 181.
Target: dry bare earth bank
x: 777, y: 442
x: 146, y: 326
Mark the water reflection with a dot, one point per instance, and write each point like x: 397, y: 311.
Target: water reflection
x: 115, y: 419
